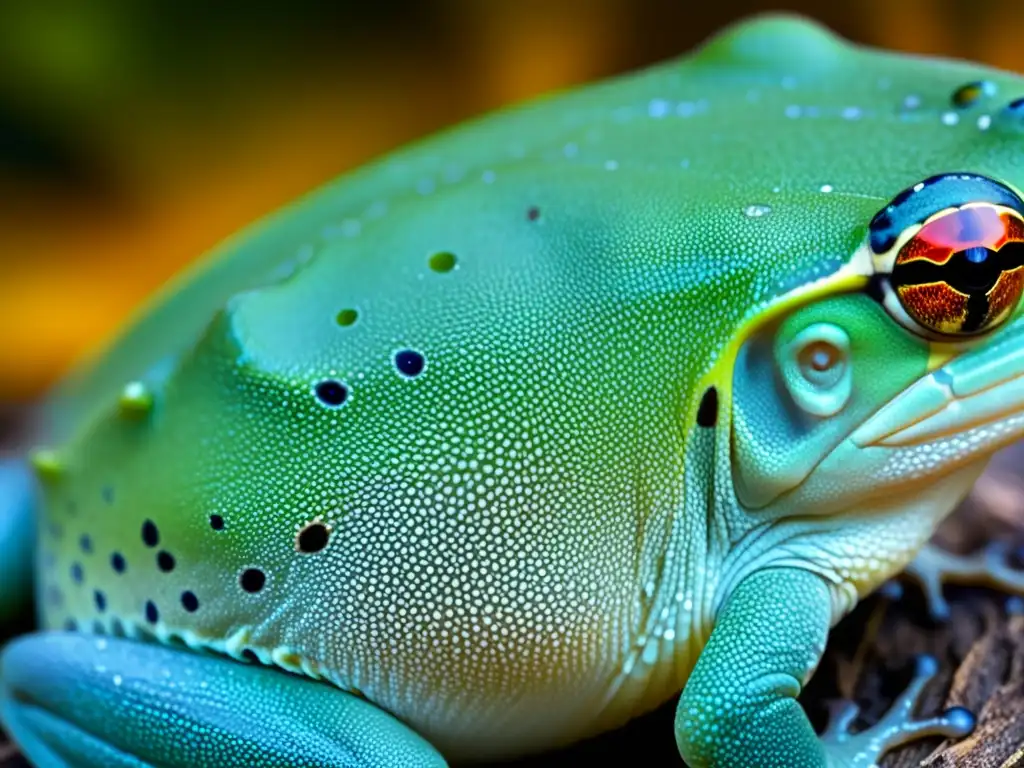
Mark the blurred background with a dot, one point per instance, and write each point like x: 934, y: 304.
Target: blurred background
x: 135, y: 136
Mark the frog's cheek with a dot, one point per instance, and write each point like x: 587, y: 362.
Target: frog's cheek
x: 802, y: 385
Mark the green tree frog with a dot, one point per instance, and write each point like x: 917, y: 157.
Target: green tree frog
x: 513, y: 435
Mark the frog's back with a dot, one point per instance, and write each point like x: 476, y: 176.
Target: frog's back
x: 425, y: 434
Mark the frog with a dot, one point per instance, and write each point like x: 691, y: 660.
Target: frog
x: 622, y: 395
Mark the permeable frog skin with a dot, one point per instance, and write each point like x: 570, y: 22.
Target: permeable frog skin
x: 621, y: 396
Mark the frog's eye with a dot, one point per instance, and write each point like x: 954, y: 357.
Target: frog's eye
x: 960, y: 270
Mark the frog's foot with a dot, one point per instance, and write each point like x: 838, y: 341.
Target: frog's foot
x: 84, y: 701
x: 898, y: 725
x: 17, y: 538
x: 991, y: 567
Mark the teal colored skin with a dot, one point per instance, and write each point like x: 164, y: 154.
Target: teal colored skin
x: 617, y: 412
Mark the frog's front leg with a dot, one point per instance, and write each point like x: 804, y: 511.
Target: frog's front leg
x: 77, y: 700
x: 17, y: 538
x: 740, y: 708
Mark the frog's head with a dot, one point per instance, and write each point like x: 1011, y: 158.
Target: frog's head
x: 885, y: 387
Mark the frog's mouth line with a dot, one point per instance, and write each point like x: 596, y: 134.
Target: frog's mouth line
x: 974, y: 390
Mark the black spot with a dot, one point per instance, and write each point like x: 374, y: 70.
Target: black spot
x: 707, y: 413
x: 533, y: 213
x: 189, y: 601
x: 117, y: 562
x: 252, y: 580
x: 312, y: 538
x: 150, y: 534
x: 409, y: 362
x: 217, y: 522
x: 76, y: 573
x: 249, y: 655
x: 101, y: 601
x: 332, y: 393
x: 165, y: 561
x: 108, y: 494
x: 1016, y: 105
x: 85, y: 543
x: 152, y: 614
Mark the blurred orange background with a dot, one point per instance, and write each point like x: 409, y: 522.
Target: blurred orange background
x: 135, y: 136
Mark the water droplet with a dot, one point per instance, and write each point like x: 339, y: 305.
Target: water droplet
x: 950, y: 118
x: 968, y: 95
x: 851, y: 113
x: 912, y: 102
x: 793, y: 111
x: 826, y: 188
x: 757, y: 210
x: 658, y: 108
x: 611, y: 165
x: 984, y: 122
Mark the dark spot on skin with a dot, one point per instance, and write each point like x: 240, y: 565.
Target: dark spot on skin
x: 707, y: 413
x: 189, y: 601
x: 85, y: 543
x: 409, y: 363
x: 249, y: 655
x: 1017, y: 105
x: 71, y: 625
x: 312, y: 538
x: 217, y: 522
x: 152, y: 614
x: 876, y: 287
x: 533, y: 213
x: 332, y: 393
x: 76, y: 573
x: 108, y: 494
x: 117, y: 562
x: 442, y: 262
x: 54, y: 596
x: 150, y: 534
x: 165, y: 561
x: 100, y: 600
x: 347, y: 317
x: 252, y: 580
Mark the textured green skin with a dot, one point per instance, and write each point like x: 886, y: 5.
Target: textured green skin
x: 532, y: 540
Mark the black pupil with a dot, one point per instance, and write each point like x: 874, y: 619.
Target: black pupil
x: 972, y: 271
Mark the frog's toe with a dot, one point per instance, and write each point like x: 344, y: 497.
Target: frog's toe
x: 898, y: 725
x: 77, y: 700
x: 991, y: 566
